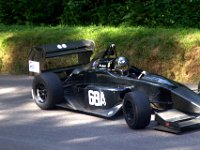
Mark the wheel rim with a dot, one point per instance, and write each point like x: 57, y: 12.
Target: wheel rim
x: 129, y: 111
x: 41, y: 93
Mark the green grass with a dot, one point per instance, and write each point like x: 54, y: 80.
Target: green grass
x: 174, y: 53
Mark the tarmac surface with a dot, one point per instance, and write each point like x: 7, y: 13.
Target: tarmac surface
x: 23, y: 126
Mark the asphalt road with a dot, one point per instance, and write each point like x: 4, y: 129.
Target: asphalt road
x: 23, y: 126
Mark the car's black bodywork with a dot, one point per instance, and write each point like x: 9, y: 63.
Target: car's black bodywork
x: 95, y: 87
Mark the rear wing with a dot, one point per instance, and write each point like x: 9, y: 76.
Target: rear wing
x: 39, y: 54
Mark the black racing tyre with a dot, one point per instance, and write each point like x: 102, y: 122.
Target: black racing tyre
x: 137, y: 110
x: 47, y: 90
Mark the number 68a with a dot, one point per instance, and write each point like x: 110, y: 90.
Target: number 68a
x: 96, y: 98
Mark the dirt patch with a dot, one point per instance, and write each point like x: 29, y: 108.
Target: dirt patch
x: 191, y: 68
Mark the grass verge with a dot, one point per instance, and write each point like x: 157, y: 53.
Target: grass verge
x: 174, y: 53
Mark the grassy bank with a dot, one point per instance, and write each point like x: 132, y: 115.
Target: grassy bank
x: 174, y: 53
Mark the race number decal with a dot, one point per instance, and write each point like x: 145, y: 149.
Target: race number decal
x: 96, y: 98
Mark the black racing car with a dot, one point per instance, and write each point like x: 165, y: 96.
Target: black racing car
x: 107, y: 84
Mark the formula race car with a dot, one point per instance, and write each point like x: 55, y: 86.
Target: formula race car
x: 107, y: 84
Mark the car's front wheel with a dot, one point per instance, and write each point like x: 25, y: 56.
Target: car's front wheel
x: 137, y: 110
x: 47, y: 90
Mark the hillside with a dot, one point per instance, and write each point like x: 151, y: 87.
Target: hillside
x: 174, y: 53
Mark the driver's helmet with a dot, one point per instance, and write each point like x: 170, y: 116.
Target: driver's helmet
x: 121, y: 65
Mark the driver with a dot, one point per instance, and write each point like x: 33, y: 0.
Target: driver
x: 121, y: 65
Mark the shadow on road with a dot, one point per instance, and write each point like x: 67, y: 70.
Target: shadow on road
x: 24, y: 126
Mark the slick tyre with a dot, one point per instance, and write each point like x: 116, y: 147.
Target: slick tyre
x: 136, y: 109
x: 47, y: 90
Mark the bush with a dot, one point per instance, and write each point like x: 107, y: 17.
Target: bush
x: 30, y: 12
x: 87, y: 12
x: 184, y: 13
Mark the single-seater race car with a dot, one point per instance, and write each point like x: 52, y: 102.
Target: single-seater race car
x: 108, y: 84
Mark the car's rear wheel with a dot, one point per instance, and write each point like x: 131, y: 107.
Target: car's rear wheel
x: 137, y: 110
x: 47, y: 90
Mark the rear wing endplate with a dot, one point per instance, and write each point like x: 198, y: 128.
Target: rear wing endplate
x: 38, y: 54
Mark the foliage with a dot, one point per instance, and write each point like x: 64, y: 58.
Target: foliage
x: 30, y: 12
x: 87, y: 12
x: 184, y: 13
